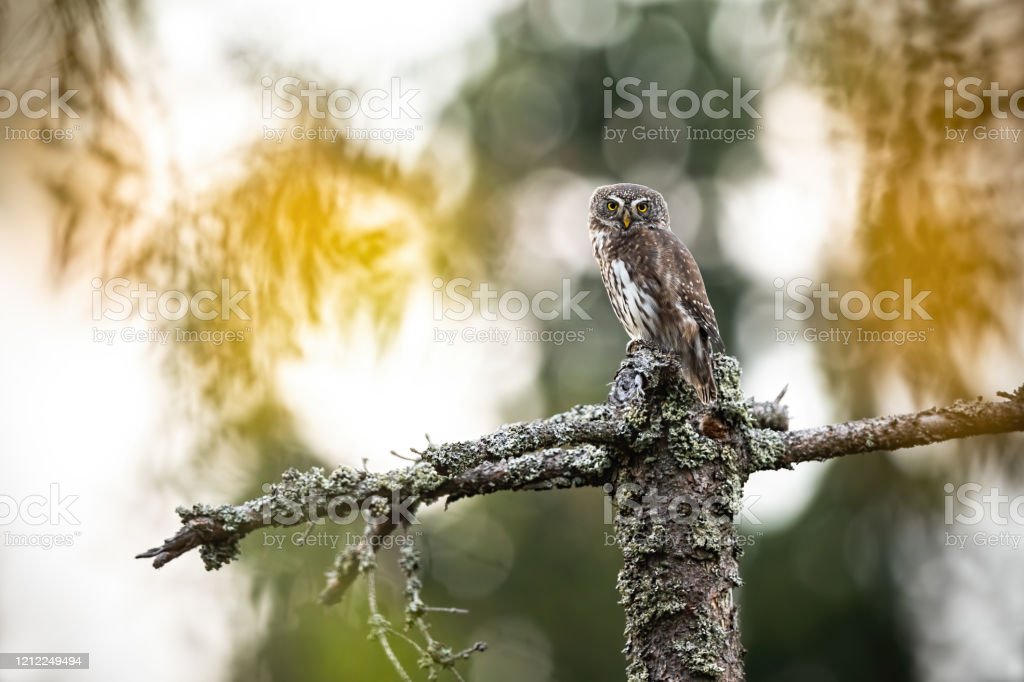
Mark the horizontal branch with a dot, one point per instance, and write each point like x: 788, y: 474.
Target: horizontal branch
x: 962, y: 419
x: 308, y: 496
x: 592, y: 424
x: 585, y: 465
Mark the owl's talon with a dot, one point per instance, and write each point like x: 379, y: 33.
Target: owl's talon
x: 633, y: 346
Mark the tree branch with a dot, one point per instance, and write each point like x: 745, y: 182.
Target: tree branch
x: 309, y: 496
x: 594, y: 424
x: 962, y: 419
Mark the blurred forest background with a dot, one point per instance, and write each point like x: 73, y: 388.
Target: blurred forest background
x: 849, y: 179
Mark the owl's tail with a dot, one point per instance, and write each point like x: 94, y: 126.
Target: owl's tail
x: 700, y: 372
x: 706, y: 388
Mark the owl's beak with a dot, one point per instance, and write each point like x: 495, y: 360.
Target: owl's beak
x: 626, y: 220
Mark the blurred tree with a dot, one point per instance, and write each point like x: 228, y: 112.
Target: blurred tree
x: 932, y: 212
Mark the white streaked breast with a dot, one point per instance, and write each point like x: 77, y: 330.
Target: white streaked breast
x: 638, y: 304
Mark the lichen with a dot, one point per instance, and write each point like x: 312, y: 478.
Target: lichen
x: 514, y: 440
x: 727, y: 373
x: 701, y: 652
x: 646, y: 542
x: 423, y: 479
x: 217, y: 554
x: 647, y: 601
x: 232, y: 520
x: 766, y: 448
x: 689, y: 448
x: 706, y: 534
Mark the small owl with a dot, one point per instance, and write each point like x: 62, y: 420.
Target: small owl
x: 652, y: 280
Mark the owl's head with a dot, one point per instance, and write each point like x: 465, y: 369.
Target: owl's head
x: 625, y: 207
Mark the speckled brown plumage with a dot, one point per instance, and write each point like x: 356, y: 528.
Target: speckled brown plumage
x: 652, y: 280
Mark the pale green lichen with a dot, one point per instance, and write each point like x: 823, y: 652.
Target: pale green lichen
x: 419, y: 481
x: 689, y: 448
x: 653, y: 541
x: 234, y: 520
x: 636, y: 416
x: 701, y: 652
x: 637, y: 673
x: 766, y: 448
x: 674, y: 414
x: 513, y: 440
x: 727, y: 373
x: 647, y: 601
x: 706, y: 533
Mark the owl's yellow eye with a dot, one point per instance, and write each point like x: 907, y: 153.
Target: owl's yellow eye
x: 612, y: 206
x: 642, y: 207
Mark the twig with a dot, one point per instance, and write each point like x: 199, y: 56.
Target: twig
x: 380, y: 626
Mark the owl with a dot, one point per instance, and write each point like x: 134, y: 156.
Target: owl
x: 653, y: 282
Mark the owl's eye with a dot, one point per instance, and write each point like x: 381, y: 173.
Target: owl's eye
x: 612, y: 206
x: 642, y: 207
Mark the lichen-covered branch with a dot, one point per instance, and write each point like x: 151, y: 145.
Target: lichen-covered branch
x: 313, y: 495
x: 962, y: 419
x: 590, y: 424
x: 542, y: 454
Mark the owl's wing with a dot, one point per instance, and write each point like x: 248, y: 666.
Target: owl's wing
x: 686, y: 284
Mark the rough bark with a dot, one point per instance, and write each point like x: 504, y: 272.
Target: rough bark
x: 677, y: 492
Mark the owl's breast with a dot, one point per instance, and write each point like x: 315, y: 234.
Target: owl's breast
x: 634, y: 305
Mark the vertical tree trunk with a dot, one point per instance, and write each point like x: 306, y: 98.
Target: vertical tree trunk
x: 675, y: 500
